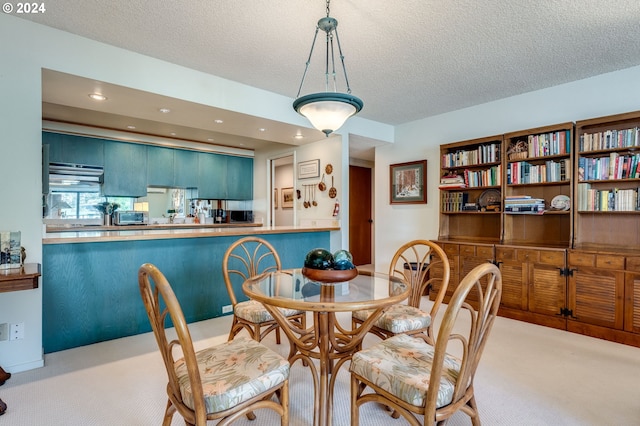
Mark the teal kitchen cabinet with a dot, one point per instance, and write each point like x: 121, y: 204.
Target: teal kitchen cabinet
x: 185, y: 168
x: 125, y: 169
x: 160, y: 166
x: 74, y: 149
x: 212, y: 176
x: 239, y: 176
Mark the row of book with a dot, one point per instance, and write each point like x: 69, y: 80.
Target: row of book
x: 488, y: 153
x: 601, y: 200
x: 488, y: 177
x: 523, y: 204
x: 522, y: 172
x: 615, y: 166
x: 455, y: 201
x: 553, y: 143
x: 609, y: 139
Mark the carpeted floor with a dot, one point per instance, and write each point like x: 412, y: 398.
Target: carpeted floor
x: 529, y: 375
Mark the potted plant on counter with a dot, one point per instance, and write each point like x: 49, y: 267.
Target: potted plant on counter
x: 107, y: 209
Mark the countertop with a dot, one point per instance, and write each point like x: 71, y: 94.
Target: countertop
x: 155, y: 232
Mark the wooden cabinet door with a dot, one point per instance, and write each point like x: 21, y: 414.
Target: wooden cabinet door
x: 125, y: 169
x: 239, y: 178
x: 160, y: 166
x: 185, y: 169
x: 212, y: 176
x: 632, y: 302
x: 514, y: 279
x: 547, y: 289
x: 596, y: 296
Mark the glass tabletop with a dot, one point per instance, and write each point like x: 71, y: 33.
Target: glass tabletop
x: 290, y: 288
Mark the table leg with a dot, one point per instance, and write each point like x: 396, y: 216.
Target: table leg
x: 325, y: 368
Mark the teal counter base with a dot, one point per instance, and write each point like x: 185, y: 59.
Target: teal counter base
x: 91, y: 294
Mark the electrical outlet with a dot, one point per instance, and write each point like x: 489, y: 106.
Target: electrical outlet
x: 17, y: 331
x: 4, y: 331
x: 226, y: 309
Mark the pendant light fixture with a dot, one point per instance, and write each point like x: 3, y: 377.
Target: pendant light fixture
x: 327, y: 111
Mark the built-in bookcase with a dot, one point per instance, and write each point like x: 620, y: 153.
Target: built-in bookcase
x: 468, y: 169
x: 607, y: 181
x: 538, y: 176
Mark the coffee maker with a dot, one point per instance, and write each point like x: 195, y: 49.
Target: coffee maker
x: 219, y: 213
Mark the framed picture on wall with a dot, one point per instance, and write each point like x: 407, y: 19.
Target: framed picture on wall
x: 275, y: 198
x: 309, y: 169
x: 408, y: 182
x: 287, y: 198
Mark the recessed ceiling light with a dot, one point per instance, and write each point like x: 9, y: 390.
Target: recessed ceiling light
x: 210, y: 139
x: 131, y: 127
x: 165, y: 110
x: 172, y: 133
x: 218, y: 121
x: 262, y: 129
x: 97, y: 96
x: 298, y: 136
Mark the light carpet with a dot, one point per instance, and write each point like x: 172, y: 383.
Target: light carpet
x: 529, y: 375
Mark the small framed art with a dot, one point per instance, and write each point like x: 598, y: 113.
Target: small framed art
x: 275, y: 198
x: 408, y: 182
x: 287, y: 198
x: 309, y: 169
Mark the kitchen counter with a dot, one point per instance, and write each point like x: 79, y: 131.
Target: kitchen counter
x: 159, y: 232
x: 76, y: 228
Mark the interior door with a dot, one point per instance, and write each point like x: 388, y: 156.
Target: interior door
x: 360, y: 216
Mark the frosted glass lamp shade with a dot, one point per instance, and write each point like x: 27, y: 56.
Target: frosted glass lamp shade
x: 327, y: 111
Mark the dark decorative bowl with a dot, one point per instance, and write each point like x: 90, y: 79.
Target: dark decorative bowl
x: 330, y: 275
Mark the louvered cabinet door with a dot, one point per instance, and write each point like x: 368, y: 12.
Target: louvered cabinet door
x: 514, y: 279
x: 632, y: 295
x: 596, y: 296
x: 547, y: 287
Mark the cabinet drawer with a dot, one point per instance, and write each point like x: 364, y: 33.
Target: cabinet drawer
x: 609, y: 261
x: 555, y: 258
x: 582, y: 259
x: 505, y: 253
x: 467, y: 250
x: 633, y: 264
x: 525, y: 255
x: 450, y: 249
x: 485, y: 252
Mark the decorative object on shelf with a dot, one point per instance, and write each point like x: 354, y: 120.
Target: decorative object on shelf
x: 518, y: 150
x: 327, y: 111
x: 10, y: 250
x: 489, y: 200
x: 561, y: 202
x: 309, y: 169
x: 328, y: 169
x: 408, y: 182
x: 287, y: 198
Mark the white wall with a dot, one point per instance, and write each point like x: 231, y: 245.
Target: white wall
x: 607, y: 94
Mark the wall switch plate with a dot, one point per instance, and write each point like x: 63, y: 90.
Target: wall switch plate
x: 4, y: 331
x: 17, y: 331
x: 226, y: 309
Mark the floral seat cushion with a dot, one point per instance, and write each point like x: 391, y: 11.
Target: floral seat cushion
x: 232, y: 373
x: 401, y: 365
x: 398, y: 318
x: 254, y: 311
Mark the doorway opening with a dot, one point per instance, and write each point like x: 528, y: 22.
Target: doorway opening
x: 282, y: 188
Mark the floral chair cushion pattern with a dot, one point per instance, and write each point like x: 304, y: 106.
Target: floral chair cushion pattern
x: 254, y: 311
x: 398, y: 318
x: 233, y: 372
x: 401, y: 365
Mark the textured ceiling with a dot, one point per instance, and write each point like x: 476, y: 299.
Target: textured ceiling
x: 407, y: 60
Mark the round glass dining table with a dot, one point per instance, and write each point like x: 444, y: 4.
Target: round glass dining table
x: 327, y: 341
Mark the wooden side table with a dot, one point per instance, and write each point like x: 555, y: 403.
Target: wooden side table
x: 23, y: 278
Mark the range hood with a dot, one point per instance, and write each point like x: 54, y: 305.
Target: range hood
x: 75, y: 177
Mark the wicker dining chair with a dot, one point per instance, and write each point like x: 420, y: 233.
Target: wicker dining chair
x: 222, y: 382
x: 412, y: 377
x: 415, y: 262
x: 246, y: 258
